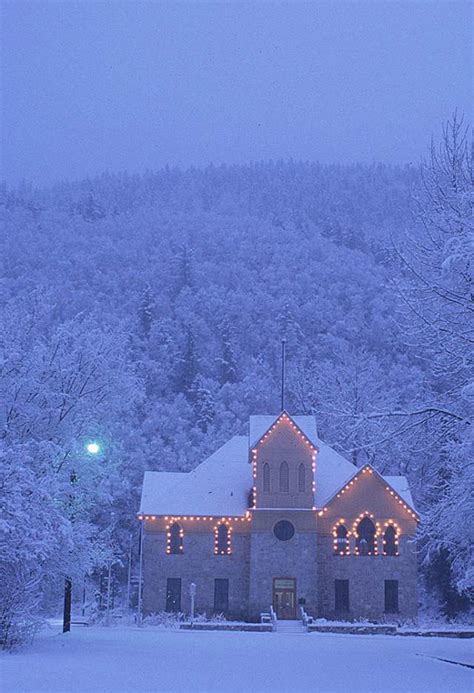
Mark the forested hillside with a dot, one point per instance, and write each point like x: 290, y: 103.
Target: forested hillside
x: 146, y: 312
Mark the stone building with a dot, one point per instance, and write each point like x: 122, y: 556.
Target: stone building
x: 279, y: 518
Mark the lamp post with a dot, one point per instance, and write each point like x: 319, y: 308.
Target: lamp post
x: 129, y: 577
x: 109, y: 576
x: 93, y: 448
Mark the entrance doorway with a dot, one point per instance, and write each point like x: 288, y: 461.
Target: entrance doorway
x: 284, y: 598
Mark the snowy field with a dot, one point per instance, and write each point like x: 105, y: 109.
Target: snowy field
x: 144, y: 660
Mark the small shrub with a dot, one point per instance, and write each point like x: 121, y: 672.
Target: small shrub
x: 164, y: 619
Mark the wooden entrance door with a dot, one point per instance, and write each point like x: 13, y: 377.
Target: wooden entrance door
x: 284, y: 598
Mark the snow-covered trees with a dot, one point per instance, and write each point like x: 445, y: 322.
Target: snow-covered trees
x: 438, y: 291
x: 227, y: 361
x: 202, y: 403
x: 147, y: 312
x: 59, y: 388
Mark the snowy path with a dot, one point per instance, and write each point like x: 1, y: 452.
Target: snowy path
x: 127, y: 660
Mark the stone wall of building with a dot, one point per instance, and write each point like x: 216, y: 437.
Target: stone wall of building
x: 366, y: 576
x: 271, y: 558
x: 197, y: 564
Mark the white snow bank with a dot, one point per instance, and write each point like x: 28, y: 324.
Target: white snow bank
x: 122, y: 660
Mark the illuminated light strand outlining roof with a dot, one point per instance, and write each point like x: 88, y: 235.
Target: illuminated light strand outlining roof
x: 261, y: 427
x: 359, y: 474
x: 220, y: 486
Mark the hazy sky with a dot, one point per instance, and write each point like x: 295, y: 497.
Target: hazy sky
x: 89, y: 85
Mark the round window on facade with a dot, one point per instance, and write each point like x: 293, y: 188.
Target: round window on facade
x: 283, y: 530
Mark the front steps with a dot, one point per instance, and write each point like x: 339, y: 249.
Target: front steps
x: 290, y: 627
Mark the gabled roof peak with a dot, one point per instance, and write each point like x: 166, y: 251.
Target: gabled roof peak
x: 366, y: 470
x: 262, y: 426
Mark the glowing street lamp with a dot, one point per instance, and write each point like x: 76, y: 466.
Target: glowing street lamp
x: 92, y: 448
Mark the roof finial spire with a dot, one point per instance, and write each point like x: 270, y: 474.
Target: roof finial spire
x: 283, y: 345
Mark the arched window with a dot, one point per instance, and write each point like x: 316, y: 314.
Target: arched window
x: 301, y: 478
x: 175, y: 538
x: 341, y: 540
x: 365, y: 537
x: 390, y: 541
x: 284, y: 478
x: 222, y: 545
x: 266, y: 477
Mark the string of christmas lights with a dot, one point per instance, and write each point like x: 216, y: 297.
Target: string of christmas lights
x: 396, y: 528
x: 174, y: 538
x: 284, y: 417
x: 344, y: 542
x: 222, y: 540
x: 376, y: 524
x: 196, y: 518
x: 337, y: 543
x: 254, y: 452
x: 359, y: 475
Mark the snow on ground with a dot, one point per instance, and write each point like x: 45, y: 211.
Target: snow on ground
x: 122, y: 659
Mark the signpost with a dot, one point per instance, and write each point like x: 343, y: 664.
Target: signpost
x: 140, y: 577
x: 192, y: 592
x: 109, y: 580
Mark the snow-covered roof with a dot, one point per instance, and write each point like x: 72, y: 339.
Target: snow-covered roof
x: 221, y: 484
x: 259, y: 425
x: 400, y: 486
x: 218, y: 486
x: 332, y: 472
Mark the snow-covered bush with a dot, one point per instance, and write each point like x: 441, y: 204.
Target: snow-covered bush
x: 19, y: 605
x: 165, y: 619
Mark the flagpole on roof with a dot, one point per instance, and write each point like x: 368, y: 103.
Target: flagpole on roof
x: 283, y: 345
